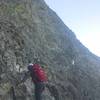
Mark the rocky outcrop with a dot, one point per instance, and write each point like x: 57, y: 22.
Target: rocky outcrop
x: 29, y: 29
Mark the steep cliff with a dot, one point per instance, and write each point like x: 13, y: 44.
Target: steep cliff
x: 30, y: 29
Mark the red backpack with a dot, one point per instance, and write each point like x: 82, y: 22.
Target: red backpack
x: 39, y: 74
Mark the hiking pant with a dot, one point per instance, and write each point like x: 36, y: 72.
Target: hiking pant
x: 39, y: 87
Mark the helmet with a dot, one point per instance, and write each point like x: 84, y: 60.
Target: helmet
x: 30, y: 66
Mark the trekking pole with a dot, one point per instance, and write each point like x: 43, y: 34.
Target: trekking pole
x: 13, y: 93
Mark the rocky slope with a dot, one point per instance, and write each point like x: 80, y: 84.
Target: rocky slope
x: 29, y: 29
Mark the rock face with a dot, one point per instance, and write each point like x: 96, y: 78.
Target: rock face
x: 29, y: 29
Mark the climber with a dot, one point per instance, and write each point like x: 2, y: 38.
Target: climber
x: 39, y: 78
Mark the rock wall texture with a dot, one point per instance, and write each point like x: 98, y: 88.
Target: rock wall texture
x: 29, y: 29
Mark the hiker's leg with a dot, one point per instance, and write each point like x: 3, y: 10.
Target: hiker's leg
x: 38, y: 95
x: 39, y: 87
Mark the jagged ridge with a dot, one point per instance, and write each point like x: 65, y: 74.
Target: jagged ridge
x: 29, y: 29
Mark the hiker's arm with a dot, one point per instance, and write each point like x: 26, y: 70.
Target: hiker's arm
x: 25, y: 77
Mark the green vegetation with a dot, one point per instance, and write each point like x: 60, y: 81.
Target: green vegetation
x: 5, y: 87
x: 11, y: 9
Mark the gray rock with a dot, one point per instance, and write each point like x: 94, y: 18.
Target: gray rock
x: 29, y: 29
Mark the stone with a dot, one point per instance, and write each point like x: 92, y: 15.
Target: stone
x: 29, y: 29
